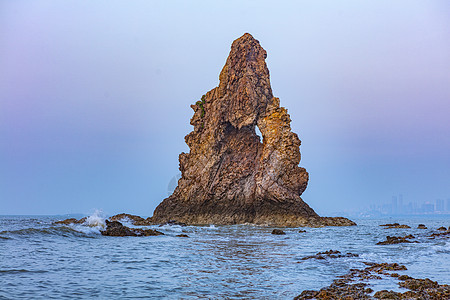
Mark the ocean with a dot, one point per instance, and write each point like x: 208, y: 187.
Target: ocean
x: 41, y: 260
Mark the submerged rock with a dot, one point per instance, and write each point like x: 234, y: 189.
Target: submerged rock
x: 395, y: 225
x: 397, y: 240
x: 115, y: 228
x: 230, y: 176
x: 330, y: 254
x: 278, y: 231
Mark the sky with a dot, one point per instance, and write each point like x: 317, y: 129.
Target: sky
x: 95, y: 95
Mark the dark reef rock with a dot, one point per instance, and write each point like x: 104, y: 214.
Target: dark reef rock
x: 115, y: 228
x: 71, y: 221
x: 345, y: 288
x: 135, y: 220
x: 395, y: 225
x: 421, y: 226
x: 182, y: 235
x: 278, y: 231
x: 397, y: 240
x: 445, y: 234
x: 230, y: 176
x: 330, y: 254
x: 442, y: 228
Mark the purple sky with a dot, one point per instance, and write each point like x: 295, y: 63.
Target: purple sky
x: 94, y: 97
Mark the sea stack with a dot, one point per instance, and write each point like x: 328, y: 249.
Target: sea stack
x: 229, y: 175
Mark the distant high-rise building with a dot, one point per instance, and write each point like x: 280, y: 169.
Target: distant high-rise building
x: 428, y: 208
x: 440, y: 205
x: 394, y: 204
x: 400, y: 208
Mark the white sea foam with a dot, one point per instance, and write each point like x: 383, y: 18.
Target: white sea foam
x: 95, y: 220
x: 174, y: 228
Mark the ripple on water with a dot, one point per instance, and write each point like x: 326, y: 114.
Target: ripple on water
x: 216, y: 261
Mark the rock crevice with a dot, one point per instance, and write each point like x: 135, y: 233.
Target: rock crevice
x: 229, y: 175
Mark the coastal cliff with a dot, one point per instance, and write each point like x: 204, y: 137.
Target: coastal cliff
x: 229, y: 175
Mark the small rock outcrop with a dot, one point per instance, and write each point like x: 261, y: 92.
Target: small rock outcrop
x: 329, y: 254
x: 115, y: 228
x: 278, y: 232
x: 395, y: 225
x: 71, y: 221
x: 135, y: 220
x: 230, y: 176
x: 421, y: 226
x: 390, y: 240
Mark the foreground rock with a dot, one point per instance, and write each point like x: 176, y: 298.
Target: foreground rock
x: 345, y: 287
x: 230, y: 176
x: 115, y: 228
x: 397, y: 240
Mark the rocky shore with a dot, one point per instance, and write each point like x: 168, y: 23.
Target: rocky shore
x: 354, y: 285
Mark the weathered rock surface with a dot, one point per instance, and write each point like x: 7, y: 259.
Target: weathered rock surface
x: 421, y: 226
x: 115, y: 228
x: 230, y: 176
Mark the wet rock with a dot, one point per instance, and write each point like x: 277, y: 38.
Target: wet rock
x: 395, y: 225
x: 442, y: 228
x: 229, y: 175
x: 115, y: 228
x: 278, y: 231
x: 397, y: 240
x: 301, y: 231
x: 71, y: 221
x: 345, y: 288
x: 384, y: 294
x: 329, y: 254
x: 421, y: 226
x: 424, y: 289
x: 445, y: 234
x: 135, y: 220
x: 182, y: 235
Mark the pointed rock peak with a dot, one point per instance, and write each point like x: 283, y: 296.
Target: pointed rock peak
x: 248, y: 46
x: 245, y: 82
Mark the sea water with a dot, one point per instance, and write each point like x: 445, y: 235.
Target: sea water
x: 39, y: 259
